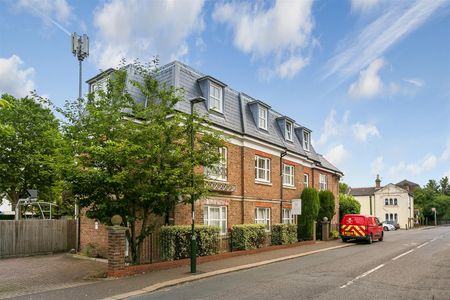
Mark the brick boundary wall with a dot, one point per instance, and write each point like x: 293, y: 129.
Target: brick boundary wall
x: 165, y: 265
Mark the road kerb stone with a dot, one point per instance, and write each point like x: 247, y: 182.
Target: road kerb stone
x: 160, y: 285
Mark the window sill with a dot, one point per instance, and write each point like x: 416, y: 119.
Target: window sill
x: 263, y: 182
x: 289, y: 187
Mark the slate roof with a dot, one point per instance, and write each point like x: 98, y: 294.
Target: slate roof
x: 364, y: 191
x: 237, y: 115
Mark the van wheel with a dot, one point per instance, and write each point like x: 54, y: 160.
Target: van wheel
x: 370, y: 239
x: 381, y: 237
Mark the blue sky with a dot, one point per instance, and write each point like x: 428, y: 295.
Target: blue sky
x: 370, y: 78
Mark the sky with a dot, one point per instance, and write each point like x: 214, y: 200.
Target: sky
x: 370, y: 78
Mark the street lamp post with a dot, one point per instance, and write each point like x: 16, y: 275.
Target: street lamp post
x: 80, y: 49
x: 193, y: 238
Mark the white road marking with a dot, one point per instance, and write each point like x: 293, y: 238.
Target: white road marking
x: 424, y: 244
x: 361, y: 276
x: 403, y: 254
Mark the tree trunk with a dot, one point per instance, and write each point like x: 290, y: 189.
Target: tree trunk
x: 13, y: 198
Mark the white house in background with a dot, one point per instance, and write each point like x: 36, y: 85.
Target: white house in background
x: 392, y: 202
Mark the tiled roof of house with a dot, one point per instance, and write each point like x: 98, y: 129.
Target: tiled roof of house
x: 364, y: 191
x: 237, y: 115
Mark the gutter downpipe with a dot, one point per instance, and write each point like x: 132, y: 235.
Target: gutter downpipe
x: 283, y: 154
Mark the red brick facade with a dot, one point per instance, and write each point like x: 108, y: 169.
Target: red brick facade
x: 241, y: 203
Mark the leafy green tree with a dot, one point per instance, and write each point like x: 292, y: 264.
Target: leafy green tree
x: 310, y: 210
x: 444, y: 186
x: 343, y: 188
x: 29, y: 145
x: 134, y: 160
x: 327, y: 205
x: 433, y: 195
x: 348, y: 205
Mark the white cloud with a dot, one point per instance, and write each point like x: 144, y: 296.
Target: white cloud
x: 446, y: 153
x: 415, y: 81
x: 362, y: 132
x: 397, y: 20
x: 57, y: 9
x: 337, y: 154
x: 330, y: 128
x: 15, y: 79
x: 363, y: 6
x: 143, y: 29
x: 377, y: 166
x: 428, y: 163
x: 369, y: 82
x: 283, y: 31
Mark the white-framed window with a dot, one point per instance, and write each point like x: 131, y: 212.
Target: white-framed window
x: 220, y: 170
x: 288, y: 133
x: 395, y: 217
x: 322, y: 182
x: 100, y: 85
x: 216, y: 216
x: 386, y: 201
x: 306, y: 140
x: 288, y: 217
x: 305, y: 180
x: 288, y: 175
x: 262, y: 216
x: 386, y: 217
x: 391, y: 202
x: 395, y: 201
x: 262, y: 169
x: 262, y: 117
x: 215, y: 97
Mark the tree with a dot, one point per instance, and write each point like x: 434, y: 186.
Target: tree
x: 444, y: 186
x: 29, y: 143
x: 327, y: 205
x: 343, y: 188
x: 433, y: 195
x: 310, y: 210
x: 348, y: 205
x: 134, y: 160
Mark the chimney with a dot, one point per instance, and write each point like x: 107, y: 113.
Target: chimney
x: 378, y: 182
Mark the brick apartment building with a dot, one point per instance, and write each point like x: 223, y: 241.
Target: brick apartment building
x: 248, y: 185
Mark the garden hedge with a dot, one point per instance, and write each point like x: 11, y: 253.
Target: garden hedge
x: 175, y: 241
x: 247, y: 236
x: 283, y: 234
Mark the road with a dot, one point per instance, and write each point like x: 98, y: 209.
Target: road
x: 411, y: 264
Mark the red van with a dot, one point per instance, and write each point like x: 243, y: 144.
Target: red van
x: 360, y: 227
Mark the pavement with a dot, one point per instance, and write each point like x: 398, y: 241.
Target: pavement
x: 140, y: 284
x: 25, y: 275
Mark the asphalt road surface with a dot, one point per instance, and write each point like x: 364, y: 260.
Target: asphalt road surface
x: 412, y: 264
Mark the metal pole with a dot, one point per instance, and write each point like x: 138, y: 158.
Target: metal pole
x: 193, y: 238
x: 435, y: 221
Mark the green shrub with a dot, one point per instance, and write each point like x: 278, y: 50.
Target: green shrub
x: 175, y: 241
x: 310, y: 210
x: 334, y: 234
x: 247, y: 236
x: 283, y: 234
x: 348, y: 205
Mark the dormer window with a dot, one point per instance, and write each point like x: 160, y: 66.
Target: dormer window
x: 262, y: 117
x: 306, y: 139
x: 215, y: 97
x: 288, y: 131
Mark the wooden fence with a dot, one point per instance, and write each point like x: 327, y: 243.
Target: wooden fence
x: 151, y: 248
x: 32, y: 237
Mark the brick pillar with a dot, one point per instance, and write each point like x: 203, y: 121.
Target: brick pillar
x: 116, y: 250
